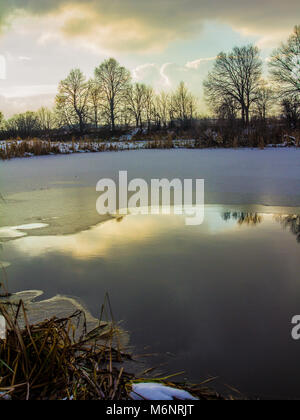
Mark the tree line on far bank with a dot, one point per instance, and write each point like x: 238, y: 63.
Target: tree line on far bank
x: 235, y: 90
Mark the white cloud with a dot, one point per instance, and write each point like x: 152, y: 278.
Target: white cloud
x: 153, y: 74
x: 197, y: 63
x: 164, y: 76
x: 139, y: 72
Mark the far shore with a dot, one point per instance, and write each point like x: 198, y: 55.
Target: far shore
x: 10, y: 149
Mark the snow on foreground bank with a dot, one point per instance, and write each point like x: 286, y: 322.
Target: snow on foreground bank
x: 2, y: 328
x: 158, y: 392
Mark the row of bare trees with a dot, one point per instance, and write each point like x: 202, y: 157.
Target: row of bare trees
x: 236, y: 86
x: 235, y: 90
x: 110, y: 99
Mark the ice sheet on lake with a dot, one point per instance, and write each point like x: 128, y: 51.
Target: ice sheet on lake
x: 19, y: 231
x: 4, y: 264
x: 59, y: 307
x: 63, y: 195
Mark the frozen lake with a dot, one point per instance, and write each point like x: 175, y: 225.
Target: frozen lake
x: 220, y: 297
x: 61, y: 190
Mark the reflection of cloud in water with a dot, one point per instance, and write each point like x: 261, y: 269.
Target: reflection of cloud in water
x: 101, y: 240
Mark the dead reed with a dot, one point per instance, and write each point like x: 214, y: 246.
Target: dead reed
x: 252, y: 138
x: 50, y: 361
x: 58, y: 360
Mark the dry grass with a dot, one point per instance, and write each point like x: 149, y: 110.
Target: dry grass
x: 49, y: 361
x: 19, y: 148
x: 161, y: 140
x: 54, y: 360
x: 160, y: 143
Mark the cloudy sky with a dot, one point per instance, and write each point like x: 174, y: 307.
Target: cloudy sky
x: 161, y: 41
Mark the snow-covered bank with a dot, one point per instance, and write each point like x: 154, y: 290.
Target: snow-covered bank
x: 29, y: 148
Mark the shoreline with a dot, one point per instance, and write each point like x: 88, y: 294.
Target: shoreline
x: 11, y: 149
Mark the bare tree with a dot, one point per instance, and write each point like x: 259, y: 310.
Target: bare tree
x: 237, y: 76
x: 95, y: 102
x: 285, y: 66
x: 291, y: 110
x: 46, y: 119
x: 149, y: 106
x: 136, y: 102
x: 125, y: 118
x: 23, y: 125
x: 180, y: 102
x: 264, y: 101
x: 162, y: 106
x: 184, y: 104
x: 227, y: 109
x: 72, y: 99
x: 114, y: 81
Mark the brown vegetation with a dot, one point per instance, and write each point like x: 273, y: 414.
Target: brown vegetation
x: 55, y: 360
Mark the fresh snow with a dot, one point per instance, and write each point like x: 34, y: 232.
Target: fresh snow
x: 158, y: 392
x: 125, y: 142
x: 2, y: 328
x: 66, y: 148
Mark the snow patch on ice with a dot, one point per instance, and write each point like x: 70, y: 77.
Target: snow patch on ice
x: 17, y: 231
x: 4, y: 264
x: 158, y: 392
x: 2, y: 328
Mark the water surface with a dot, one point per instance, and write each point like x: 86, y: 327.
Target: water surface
x: 218, y: 297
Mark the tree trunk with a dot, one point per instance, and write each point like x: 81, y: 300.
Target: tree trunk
x: 81, y: 125
x: 247, y: 117
x: 243, y: 114
x: 113, y: 126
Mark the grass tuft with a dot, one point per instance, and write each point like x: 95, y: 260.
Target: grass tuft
x: 49, y: 361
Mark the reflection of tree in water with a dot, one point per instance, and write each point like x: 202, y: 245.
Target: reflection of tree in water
x: 291, y: 222
x: 242, y: 218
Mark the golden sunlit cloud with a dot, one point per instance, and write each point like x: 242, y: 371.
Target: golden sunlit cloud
x: 130, y: 25
x: 131, y: 231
